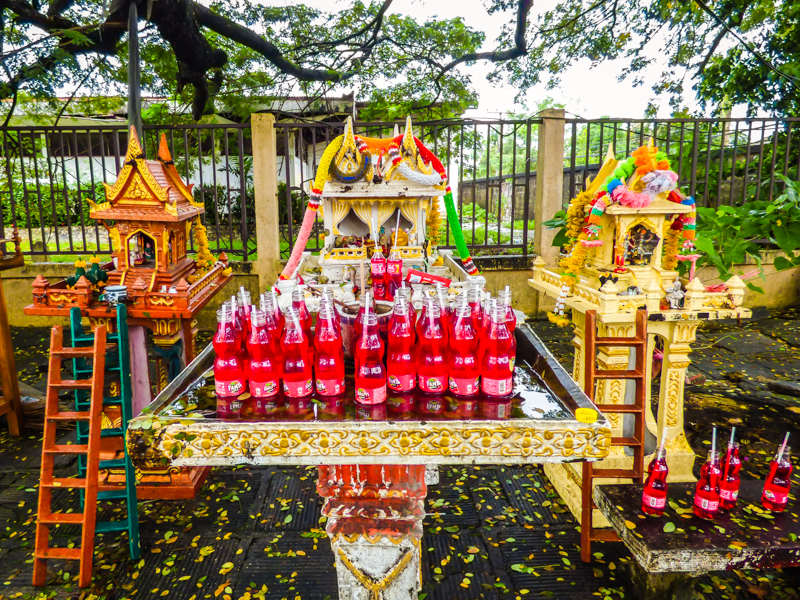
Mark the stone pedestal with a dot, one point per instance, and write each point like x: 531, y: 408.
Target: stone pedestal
x: 375, y: 515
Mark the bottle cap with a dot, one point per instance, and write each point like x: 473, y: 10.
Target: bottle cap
x: 298, y: 295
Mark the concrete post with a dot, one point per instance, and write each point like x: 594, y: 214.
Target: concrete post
x: 549, y: 190
x: 265, y: 183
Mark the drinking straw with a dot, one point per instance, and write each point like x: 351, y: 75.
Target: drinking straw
x: 363, y: 280
x: 397, y: 228
x: 440, y: 295
x: 293, y: 316
x: 714, y: 442
x: 366, y: 306
x: 663, y: 440
x: 733, y: 433
x: 783, y: 446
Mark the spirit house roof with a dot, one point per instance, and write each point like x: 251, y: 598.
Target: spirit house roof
x: 147, y: 190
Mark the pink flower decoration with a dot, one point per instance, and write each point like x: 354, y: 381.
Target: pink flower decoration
x: 592, y: 243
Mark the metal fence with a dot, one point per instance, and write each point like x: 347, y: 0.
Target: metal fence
x: 488, y: 163
x: 49, y: 174
x: 720, y: 161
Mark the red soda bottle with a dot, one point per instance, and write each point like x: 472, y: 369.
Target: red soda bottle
x: 401, y: 368
x: 269, y: 303
x: 229, y: 374
x: 464, y: 369
x: 394, y: 274
x: 370, y: 370
x: 706, y: 496
x: 364, y: 300
x: 654, y: 497
x: 243, y: 297
x: 327, y: 300
x: 432, y: 363
x: 504, y: 298
x: 378, y: 270
x: 497, y: 363
x: 730, y: 481
x: 444, y: 308
x: 484, y: 325
x: 328, y: 355
x: 265, y: 368
x: 297, y: 361
x: 778, y: 482
x: 299, y: 306
x: 238, y: 325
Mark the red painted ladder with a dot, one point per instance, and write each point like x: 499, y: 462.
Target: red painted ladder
x: 592, y: 374
x: 88, y: 484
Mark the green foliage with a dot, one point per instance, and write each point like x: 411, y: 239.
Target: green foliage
x: 559, y: 222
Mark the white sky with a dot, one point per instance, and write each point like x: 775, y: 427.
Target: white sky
x: 579, y: 90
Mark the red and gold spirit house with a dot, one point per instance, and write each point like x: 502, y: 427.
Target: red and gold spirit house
x: 149, y: 214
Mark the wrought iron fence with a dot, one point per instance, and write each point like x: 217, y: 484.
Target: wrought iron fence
x: 489, y: 168
x: 50, y: 173
x: 719, y: 161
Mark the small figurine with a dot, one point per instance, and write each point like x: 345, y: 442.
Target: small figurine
x: 632, y: 290
x: 675, y: 295
x: 400, y: 237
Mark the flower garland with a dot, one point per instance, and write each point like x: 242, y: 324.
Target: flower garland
x: 314, y: 203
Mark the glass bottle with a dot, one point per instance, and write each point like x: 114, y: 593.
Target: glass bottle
x: 328, y: 355
x: 401, y: 367
x: 497, y: 363
x: 730, y: 481
x: 377, y: 267
x: 265, y: 368
x: 706, y: 497
x: 504, y: 299
x: 297, y: 358
x: 654, y: 497
x: 303, y: 315
x: 362, y: 307
x: 370, y: 370
x: 444, y: 308
x: 463, y: 368
x: 229, y: 372
x: 270, y: 303
x: 777, y: 484
x: 432, y: 364
x: 394, y: 274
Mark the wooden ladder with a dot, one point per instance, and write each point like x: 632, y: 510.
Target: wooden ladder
x: 592, y: 374
x: 117, y: 362
x: 91, y: 450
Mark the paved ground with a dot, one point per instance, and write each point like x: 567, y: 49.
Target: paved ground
x: 491, y: 532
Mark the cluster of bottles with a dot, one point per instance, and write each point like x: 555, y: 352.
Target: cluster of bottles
x: 387, y: 274
x: 467, y: 348
x: 718, y: 486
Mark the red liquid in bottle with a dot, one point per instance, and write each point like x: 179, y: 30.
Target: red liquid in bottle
x: 297, y: 359
x: 362, y: 306
x: 474, y: 299
x: 394, y: 274
x: 729, y: 482
x: 706, y: 496
x: 378, y: 270
x: 370, y: 370
x: 464, y: 369
x: 269, y: 303
x: 243, y: 297
x: 444, y: 309
x: 229, y: 374
x: 306, y: 321
x: 504, y: 299
x: 432, y: 363
x: 405, y: 293
x: 778, y: 482
x: 654, y: 497
x: 265, y: 368
x: 401, y: 368
x: 238, y: 325
x: 497, y: 364
x: 329, y: 355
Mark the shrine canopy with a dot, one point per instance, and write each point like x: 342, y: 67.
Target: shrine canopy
x: 147, y: 190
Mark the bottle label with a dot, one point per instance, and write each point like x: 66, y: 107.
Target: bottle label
x: 298, y: 389
x: 465, y: 386
x: 434, y: 384
x: 776, y: 497
x: 709, y: 505
x: 371, y: 395
x: 653, y: 501
x: 496, y: 387
x: 231, y: 387
x: 378, y: 268
x: 728, y: 494
x: 394, y: 267
x: 402, y: 383
x: 266, y: 406
x: 433, y: 406
x: 264, y: 389
x: 330, y: 387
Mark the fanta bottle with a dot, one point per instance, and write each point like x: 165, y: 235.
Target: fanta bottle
x: 654, y: 497
x: 365, y: 299
x: 265, y: 366
x: 464, y: 369
x: 229, y: 373
x: 778, y: 482
x: 432, y: 364
x: 706, y: 497
x: 394, y: 274
x: 378, y: 270
x: 730, y: 481
x: 497, y: 363
x: 303, y: 315
x: 401, y: 368
x: 370, y: 370
x: 328, y: 355
x: 297, y: 358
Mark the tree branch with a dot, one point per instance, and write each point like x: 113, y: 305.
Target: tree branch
x: 717, y: 39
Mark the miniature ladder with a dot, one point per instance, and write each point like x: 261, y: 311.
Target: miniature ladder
x: 592, y: 374
x: 119, y: 363
x: 91, y: 450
